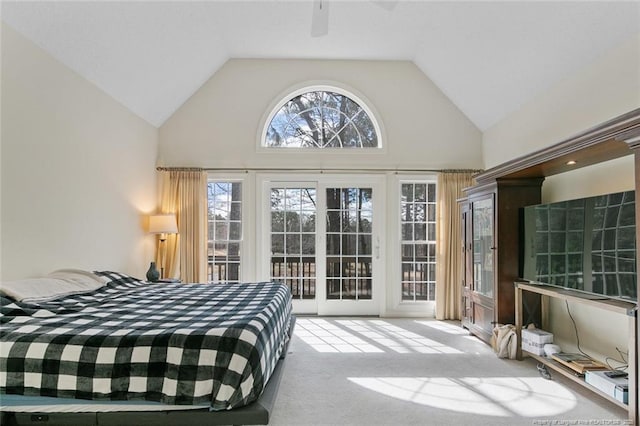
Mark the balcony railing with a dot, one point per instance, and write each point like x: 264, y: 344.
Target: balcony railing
x: 299, y: 273
x: 223, y: 269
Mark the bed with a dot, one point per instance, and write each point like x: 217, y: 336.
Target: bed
x: 112, y: 349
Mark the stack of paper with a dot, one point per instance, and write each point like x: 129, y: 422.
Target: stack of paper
x: 578, y: 362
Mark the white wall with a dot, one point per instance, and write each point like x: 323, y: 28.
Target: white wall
x: 78, y: 170
x: 607, y: 88
x: 611, y: 176
x: 219, y: 125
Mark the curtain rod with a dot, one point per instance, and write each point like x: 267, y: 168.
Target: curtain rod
x: 311, y: 169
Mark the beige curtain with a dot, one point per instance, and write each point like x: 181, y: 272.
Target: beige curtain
x: 184, y: 193
x: 448, y: 242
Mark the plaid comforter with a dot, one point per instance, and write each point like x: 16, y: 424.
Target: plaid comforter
x: 170, y: 343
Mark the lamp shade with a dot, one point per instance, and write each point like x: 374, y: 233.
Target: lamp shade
x: 163, y: 224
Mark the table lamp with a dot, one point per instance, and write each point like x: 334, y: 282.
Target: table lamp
x: 162, y: 224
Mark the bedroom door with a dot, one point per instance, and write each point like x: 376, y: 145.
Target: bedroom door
x: 324, y: 243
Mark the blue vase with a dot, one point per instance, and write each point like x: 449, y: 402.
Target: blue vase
x: 153, y: 274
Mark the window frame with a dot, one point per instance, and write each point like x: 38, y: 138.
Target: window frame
x: 397, y: 248
x: 284, y: 97
x: 246, y: 271
x: 426, y: 241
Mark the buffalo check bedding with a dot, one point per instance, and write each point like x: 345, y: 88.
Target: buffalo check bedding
x: 130, y: 340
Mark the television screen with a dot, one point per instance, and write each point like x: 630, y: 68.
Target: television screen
x: 587, y: 244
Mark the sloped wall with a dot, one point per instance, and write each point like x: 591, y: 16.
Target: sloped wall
x: 607, y: 88
x: 78, y: 170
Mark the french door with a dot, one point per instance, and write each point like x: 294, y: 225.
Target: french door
x: 324, y: 241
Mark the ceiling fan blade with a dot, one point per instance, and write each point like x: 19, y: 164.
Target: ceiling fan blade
x: 320, y: 18
x: 386, y: 4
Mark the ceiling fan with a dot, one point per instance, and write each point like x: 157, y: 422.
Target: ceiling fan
x: 320, y: 16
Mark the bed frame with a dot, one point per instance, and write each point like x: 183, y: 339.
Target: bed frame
x: 256, y: 413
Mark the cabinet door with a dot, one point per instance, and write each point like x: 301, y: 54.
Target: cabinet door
x: 482, y: 212
x: 466, y: 265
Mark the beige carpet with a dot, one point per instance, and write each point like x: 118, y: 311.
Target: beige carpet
x: 370, y: 371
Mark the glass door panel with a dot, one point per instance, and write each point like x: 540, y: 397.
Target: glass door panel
x: 482, y: 212
x: 323, y: 242
x: 293, y: 239
x: 349, y: 239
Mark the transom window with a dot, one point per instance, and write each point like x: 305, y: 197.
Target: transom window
x: 321, y: 119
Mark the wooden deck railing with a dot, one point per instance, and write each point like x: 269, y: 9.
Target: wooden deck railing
x: 300, y: 276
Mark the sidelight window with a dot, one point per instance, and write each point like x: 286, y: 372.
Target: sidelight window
x: 418, y: 240
x: 225, y: 231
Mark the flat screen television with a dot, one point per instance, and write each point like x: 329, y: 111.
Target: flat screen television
x: 587, y: 244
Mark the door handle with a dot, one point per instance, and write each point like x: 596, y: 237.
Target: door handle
x: 377, y: 248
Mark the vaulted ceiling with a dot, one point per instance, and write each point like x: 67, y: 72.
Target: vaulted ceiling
x: 488, y: 57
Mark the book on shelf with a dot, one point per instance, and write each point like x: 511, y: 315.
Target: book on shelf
x: 578, y: 362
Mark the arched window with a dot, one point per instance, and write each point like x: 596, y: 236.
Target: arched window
x: 321, y: 118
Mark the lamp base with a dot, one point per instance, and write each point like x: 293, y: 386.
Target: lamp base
x: 153, y: 274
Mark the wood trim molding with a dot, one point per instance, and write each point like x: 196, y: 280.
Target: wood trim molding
x: 632, y: 139
x: 612, y: 139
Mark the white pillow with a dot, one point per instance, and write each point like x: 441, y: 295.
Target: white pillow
x: 58, y: 283
x: 79, y: 275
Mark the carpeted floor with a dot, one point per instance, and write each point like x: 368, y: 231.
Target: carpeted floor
x: 370, y: 371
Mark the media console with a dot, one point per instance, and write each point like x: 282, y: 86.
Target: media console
x: 546, y: 292
x: 616, y: 138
